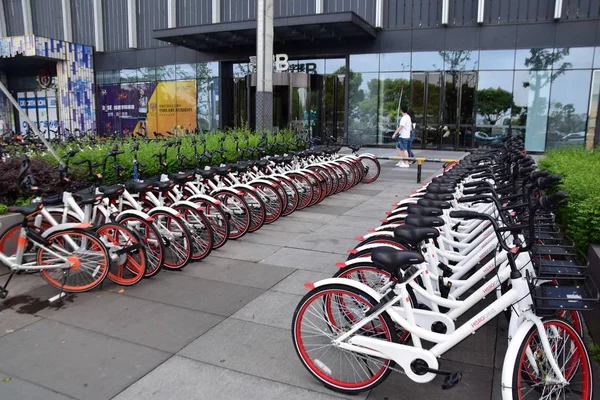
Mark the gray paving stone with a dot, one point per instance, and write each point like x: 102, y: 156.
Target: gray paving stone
x: 478, y: 349
x: 183, y: 379
x: 246, y: 251
x: 74, y: 361
x: 254, y: 349
x: 197, y: 294
x: 476, y: 384
x: 307, y: 215
x: 318, y: 242
x: 245, y: 273
x: 337, y: 231
x: 294, y: 283
x: 306, y: 259
x: 18, y: 389
x: 10, y: 321
x: 291, y: 225
x: 264, y: 236
x: 22, y: 284
x: 331, y: 209
x: 358, y: 222
x: 363, y: 190
x: 160, y: 326
x: 271, y: 308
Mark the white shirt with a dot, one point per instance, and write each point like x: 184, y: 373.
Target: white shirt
x: 406, y: 124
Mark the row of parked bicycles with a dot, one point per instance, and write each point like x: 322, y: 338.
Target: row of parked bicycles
x: 482, y: 228
x: 134, y: 229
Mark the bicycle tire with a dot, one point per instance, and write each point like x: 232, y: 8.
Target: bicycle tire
x: 178, y: 239
x: 200, y: 228
x: 131, y: 266
x: 239, y: 220
x: 218, y: 221
x: 154, y: 244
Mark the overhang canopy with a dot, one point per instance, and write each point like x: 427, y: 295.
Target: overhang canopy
x: 316, y: 28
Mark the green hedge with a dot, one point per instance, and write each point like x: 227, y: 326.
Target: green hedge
x: 580, y: 169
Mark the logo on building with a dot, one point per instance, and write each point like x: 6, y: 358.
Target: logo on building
x: 44, y: 79
x: 281, y: 63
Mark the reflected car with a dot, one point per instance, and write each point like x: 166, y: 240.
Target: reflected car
x: 574, y: 138
x: 484, y: 137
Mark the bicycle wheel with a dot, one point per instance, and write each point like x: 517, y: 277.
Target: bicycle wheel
x: 8, y: 242
x: 177, y: 237
x: 348, y: 174
x: 278, y: 186
x: 304, y: 188
x: 340, y: 177
x: 256, y: 208
x: 271, y: 199
x: 129, y: 267
x: 318, y: 186
x: 365, y: 273
x: 239, y: 213
x: 533, y: 377
x: 153, y: 243
x: 293, y: 197
x: 323, y: 314
x: 372, y: 169
x: 202, y: 235
x: 218, y: 221
x: 84, y: 250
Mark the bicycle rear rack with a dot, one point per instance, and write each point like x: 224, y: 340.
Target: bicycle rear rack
x: 582, y: 297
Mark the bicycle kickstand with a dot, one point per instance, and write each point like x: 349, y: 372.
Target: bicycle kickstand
x: 3, y: 291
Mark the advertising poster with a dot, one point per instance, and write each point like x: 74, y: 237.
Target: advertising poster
x: 147, y: 107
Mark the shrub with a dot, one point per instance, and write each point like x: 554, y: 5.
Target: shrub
x: 580, y: 169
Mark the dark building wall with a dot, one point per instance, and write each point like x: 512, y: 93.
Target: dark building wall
x: 151, y: 15
x: 238, y: 10
x: 115, y: 24
x: 194, y: 12
x: 14, y: 17
x: 82, y: 18
x: 46, y: 16
x: 287, y: 8
x: 364, y: 8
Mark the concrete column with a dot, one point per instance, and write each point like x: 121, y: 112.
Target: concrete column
x: 67, y: 24
x: 98, y: 26
x: 216, y: 11
x: 132, y: 24
x: 3, y: 28
x: 264, y: 65
x: 171, y: 13
x: 27, y: 20
x: 319, y: 6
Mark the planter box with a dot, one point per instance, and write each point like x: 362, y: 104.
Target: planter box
x: 592, y: 318
x: 6, y: 221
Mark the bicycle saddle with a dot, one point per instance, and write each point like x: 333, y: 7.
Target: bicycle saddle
x: 163, y: 186
x: 241, y: 167
x: 277, y: 159
x: 138, y: 187
x: 438, y: 189
x: 87, y: 198
x: 438, y: 196
x: 421, y: 221
x: 388, y: 259
x: 413, y: 235
x: 445, y: 181
x: 206, y: 173
x: 111, y: 191
x: 222, y: 171
x: 424, y: 211
x: 434, y: 203
x: 52, y: 200
x: 181, y: 177
x: 27, y: 210
x: 288, y: 159
x: 262, y: 163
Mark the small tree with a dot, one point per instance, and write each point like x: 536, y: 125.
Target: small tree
x: 493, y: 103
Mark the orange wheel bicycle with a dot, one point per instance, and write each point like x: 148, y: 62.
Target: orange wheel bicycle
x: 127, y: 254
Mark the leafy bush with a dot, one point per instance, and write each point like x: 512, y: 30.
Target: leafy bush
x: 580, y: 169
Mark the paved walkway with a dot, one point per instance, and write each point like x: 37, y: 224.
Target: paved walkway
x: 219, y: 329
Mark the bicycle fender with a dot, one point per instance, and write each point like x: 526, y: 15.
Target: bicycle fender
x: 167, y: 210
x: 354, y: 261
x: 65, y: 227
x: 206, y: 197
x: 136, y: 213
x: 61, y: 210
x: 228, y: 189
x: 374, y: 246
x: 383, y: 234
x: 368, y: 155
x: 348, y: 282
x: 510, y: 356
x: 189, y: 204
x: 266, y: 182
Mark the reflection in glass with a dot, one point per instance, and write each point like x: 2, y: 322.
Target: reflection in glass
x: 468, y: 82
x: 185, y: 71
x: 128, y: 75
x: 207, y: 70
x: 575, y: 58
x: 536, y: 59
x: 530, y: 111
x: 392, y: 62
x: 460, y: 60
x: 593, y: 111
x: 363, y: 93
x: 333, y: 118
x: 364, y: 62
x: 166, y: 73
x: 597, y: 57
x: 207, y: 105
x: 449, y: 122
x: 568, y: 109
x: 394, y: 92
x: 334, y: 65
x: 496, y: 59
x: 146, y: 74
x: 241, y: 70
x: 494, y: 106
x: 300, y: 118
x: 427, y: 61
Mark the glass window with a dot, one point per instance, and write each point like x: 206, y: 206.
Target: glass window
x: 534, y: 59
x: 496, y: 59
x: 427, y: 61
x: 110, y: 76
x: 166, y: 73
x: 460, y: 60
x: 185, y: 71
x: 146, y: 74
x: 530, y: 112
x: 364, y: 62
x: 242, y: 69
x: 334, y: 65
x: 393, y: 62
x: 206, y: 70
x: 394, y: 92
x: 494, y: 106
x: 573, y: 58
x: 128, y: 75
x: 208, y: 104
x: 568, y: 109
x: 364, y: 93
x: 316, y: 66
x: 597, y: 57
x: 593, y: 110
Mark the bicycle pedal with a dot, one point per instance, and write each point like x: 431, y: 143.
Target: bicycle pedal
x: 452, y: 380
x: 3, y: 293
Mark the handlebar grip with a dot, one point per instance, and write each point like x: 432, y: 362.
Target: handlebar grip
x: 538, y: 174
x: 525, y: 171
x: 466, y: 214
x: 472, y: 199
x: 474, y: 184
x: 476, y: 190
x: 115, y: 153
x: 549, y: 181
x: 549, y: 202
